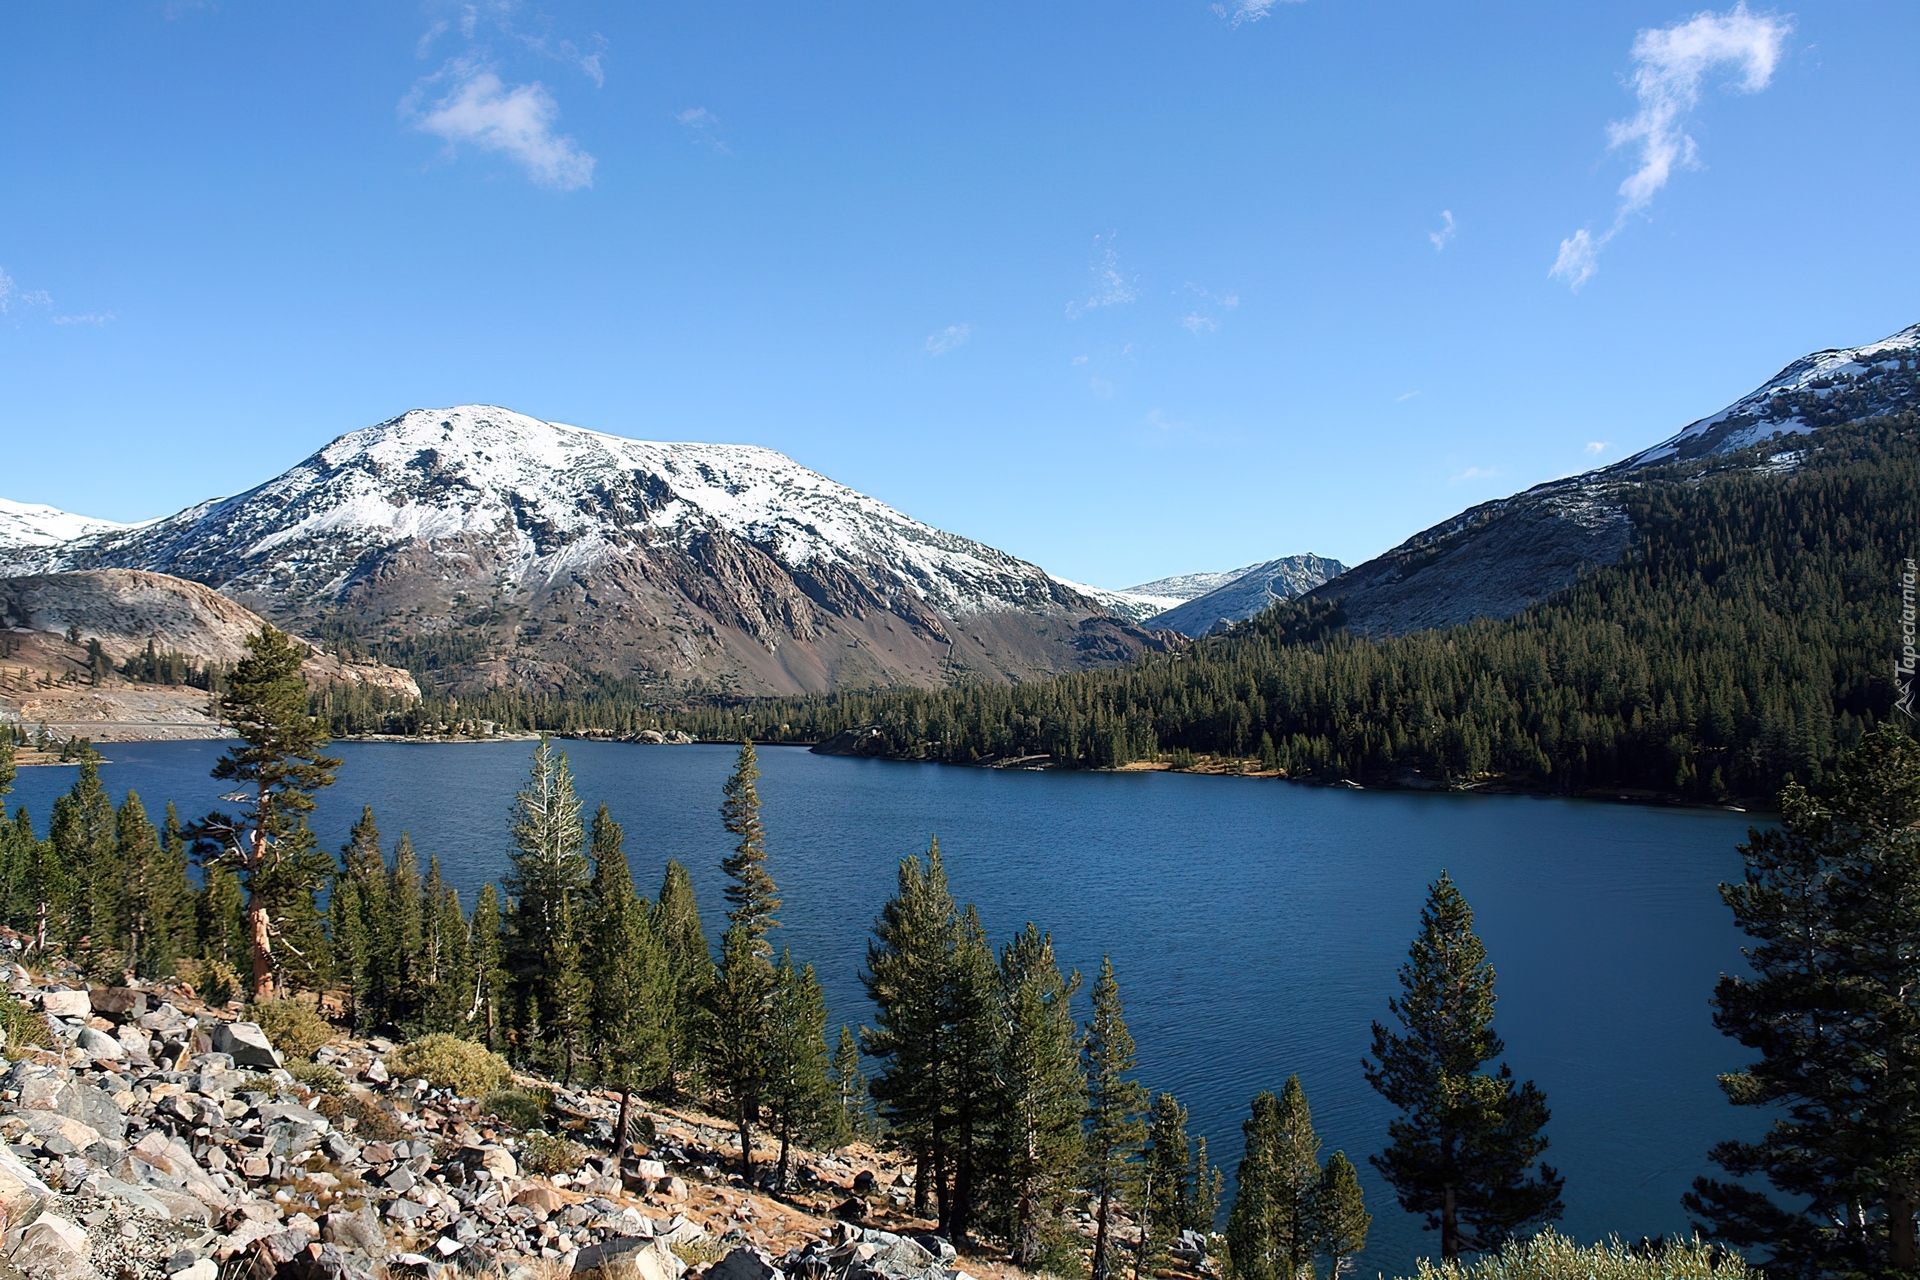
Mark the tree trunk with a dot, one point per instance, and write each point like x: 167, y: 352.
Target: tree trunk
x: 260, y: 929
x: 1449, y: 1225
x: 1900, y: 1228
x: 1100, y: 1236
x: 744, y: 1123
x: 786, y: 1143
x: 620, y: 1127
x: 921, y: 1178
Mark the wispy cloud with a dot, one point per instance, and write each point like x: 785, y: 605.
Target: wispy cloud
x: 1158, y: 419
x: 1239, y: 11
x: 1405, y: 396
x: 1111, y: 286
x: 1476, y: 473
x: 954, y: 335
x: 1670, y: 65
x: 703, y: 127
x: 95, y: 318
x: 1100, y: 387
x: 12, y: 295
x: 1444, y: 235
x: 480, y: 110
x: 1197, y: 321
x: 1598, y: 447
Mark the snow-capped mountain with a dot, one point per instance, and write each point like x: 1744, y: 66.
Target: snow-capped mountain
x: 1250, y: 591
x: 540, y: 552
x: 1132, y: 604
x: 1187, y: 586
x: 1825, y: 389
x: 1495, y: 559
x: 27, y: 526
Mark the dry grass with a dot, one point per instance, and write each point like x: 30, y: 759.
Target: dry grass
x: 1551, y: 1256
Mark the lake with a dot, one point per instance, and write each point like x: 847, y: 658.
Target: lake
x: 1256, y: 927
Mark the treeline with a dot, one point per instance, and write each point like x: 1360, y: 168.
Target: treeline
x: 1743, y: 640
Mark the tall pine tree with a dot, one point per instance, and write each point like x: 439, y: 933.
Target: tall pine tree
x: 626, y: 968
x: 1463, y: 1151
x: 1831, y: 900
x: 1042, y: 1094
x: 739, y: 1005
x: 799, y: 1091
x: 676, y: 924
x: 278, y: 765
x: 1114, y: 1103
x: 549, y: 875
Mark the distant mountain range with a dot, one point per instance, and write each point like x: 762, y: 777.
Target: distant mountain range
x: 487, y: 549
x: 494, y: 549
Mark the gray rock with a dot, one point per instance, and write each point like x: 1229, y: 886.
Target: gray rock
x: 247, y: 1044
x: 118, y: 1003
x: 100, y: 1046
x: 405, y: 1211
x: 55, y: 1248
x: 66, y: 1004
x: 360, y: 1230
x: 400, y: 1180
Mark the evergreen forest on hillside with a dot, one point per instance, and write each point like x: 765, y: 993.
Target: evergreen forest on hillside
x: 1745, y: 639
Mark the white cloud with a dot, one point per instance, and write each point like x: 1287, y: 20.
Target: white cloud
x: 1670, y: 65
x: 1158, y: 419
x: 703, y: 127
x: 1239, y: 11
x: 1079, y: 360
x: 1444, y: 234
x: 1111, y: 287
x: 95, y: 318
x: 1100, y: 387
x: 954, y: 335
x: 1197, y: 324
x: 1597, y: 447
x: 481, y: 111
x: 12, y: 295
x: 1579, y: 258
x: 1476, y: 473
x: 1405, y: 396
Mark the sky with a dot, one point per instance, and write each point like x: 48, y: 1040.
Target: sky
x: 1125, y: 289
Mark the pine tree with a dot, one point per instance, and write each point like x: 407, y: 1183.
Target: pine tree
x: 1170, y: 1203
x: 1114, y: 1104
x: 1209, y: 1186
x: 1042, y: 1093
x: 549, y: 876
x: 363, y: 938
x: 734, y: 1025
x: 407, y: 914
x: 1462, y: 1152
x: 750, y: 890
x: 907, y: 976
x: 449, y: 959
x: 626, y: 968
x: 268, y: 845
x: 489, y: 994
x: 83, y: 834
x: 1831, y: 899
x: 153, y: 894
x: 569, y: 998
x: 1341, y: 1216
x: 1253, y: 1224
x: 224, y: 939
x: 976, y: 1041
x: 852, y: 1103
x: 1296, y: 1178
x: 799, y: 1092
x: 690, y: 973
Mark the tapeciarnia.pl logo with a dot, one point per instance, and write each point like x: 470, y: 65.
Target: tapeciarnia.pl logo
x: 1903, y: 666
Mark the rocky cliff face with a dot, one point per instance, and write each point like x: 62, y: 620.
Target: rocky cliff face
x: 1496, y: 559
x: 528, y: 553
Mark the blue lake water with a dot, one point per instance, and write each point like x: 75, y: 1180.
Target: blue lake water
x: 1256, y: 927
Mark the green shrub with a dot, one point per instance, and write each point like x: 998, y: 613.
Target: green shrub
x: 547, y: 1155
x: 1551, y: 1256
x: 317, y: 1076
x: 24, y: 1027
x: 521, y: 1108
x: 295, y: 1027
x: 448, y: 1062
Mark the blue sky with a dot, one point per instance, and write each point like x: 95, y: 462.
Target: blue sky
x: 1125, y: 289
